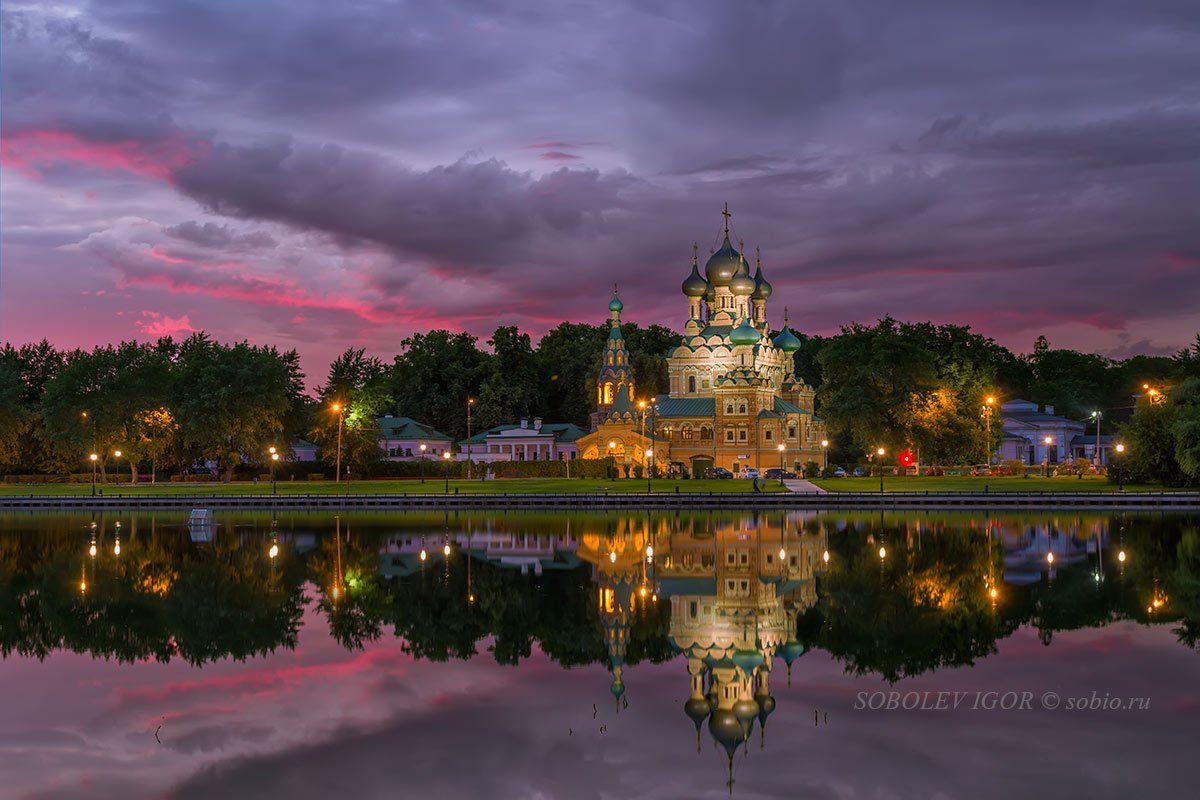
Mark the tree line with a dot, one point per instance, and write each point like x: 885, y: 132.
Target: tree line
x: 895, y: 384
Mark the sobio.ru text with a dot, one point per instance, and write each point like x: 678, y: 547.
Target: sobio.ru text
x: 995, y: 701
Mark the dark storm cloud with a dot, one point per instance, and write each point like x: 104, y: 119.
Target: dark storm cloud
x: 939, y: 159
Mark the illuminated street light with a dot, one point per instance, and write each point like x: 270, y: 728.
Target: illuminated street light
x: 93, y: 458
x: 1120, y: 448
x: 879, y: 452
x: 446, y: 458
x: 1048, y: 440
x: 824, y: 454
x: 336, y: 408
x: 781, y: 447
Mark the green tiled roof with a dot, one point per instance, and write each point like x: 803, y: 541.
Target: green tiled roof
x: 562, y: 432
x: 407, y: 428
x: 784, y: 407
x: 686, y: 406
x: 766, y: 413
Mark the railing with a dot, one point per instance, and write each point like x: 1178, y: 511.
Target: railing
x: 618, y: 500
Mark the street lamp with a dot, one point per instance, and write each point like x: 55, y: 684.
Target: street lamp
x: 824, y: 454
x: 274, y: 460
x: 649, y: 467
x: 93, y: 458
x: 1096, y: 415
x: 338, y: 408
x: 446, y: 458
x: 1120, y: 448
x: 988, y: 402
x: 1049, y: 440
x: 471, y: 402
x: 612, y: 463
x: 781, y: 447
x: 117, y: 477
x: 422, y: 459
x: 879, y: 452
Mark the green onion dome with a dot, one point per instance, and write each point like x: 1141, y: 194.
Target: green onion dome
x: 742, y: 284
x: 745, y: 333
x: 615, y: 304
x: 694, y: 285
x: 787, y: 341
x: 790, y: 651
x: 723, y: 264
x: 748, y: 660
x: 726, y: 730
x: 617, y: 688
x: 762, y: 287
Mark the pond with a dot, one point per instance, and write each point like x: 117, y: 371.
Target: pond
x: 575, y: 655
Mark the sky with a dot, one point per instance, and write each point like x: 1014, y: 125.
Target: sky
x: 322, y: 175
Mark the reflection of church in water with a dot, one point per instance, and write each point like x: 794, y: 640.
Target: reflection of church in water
x: 735, y: 591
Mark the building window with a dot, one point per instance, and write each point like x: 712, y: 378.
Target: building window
x: 767, y: 435
x: 742, y: 435
x: 729, y: 435
x: 705, y: 433
x: 686, y: 431
x: 692, y: 383
x: 742, y: 408
x: 792, y: 432
x: 729, y: 408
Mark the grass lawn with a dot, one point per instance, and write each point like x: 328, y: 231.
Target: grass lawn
x: 966, y: 483
x: 431, y: 486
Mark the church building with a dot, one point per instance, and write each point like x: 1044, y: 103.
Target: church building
x: 734, y: 400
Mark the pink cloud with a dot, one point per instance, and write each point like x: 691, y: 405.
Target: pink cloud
x: 31, y: 150
x: 156, y: 325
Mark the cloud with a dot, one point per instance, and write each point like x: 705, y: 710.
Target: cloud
x: 156, y: 325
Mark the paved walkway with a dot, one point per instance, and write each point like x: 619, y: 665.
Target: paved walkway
x: 803, y: 487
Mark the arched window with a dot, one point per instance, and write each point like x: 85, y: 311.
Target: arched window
x: 692, y: 384
x: 608, y: 394
x: 685, y: 431
x: 729, y: 408
x: 705, y: 433
x: 742, y: 408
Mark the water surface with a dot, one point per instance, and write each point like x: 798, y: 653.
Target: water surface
x: 598, y: 655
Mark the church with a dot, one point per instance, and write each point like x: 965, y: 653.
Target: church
x: 734, y: 401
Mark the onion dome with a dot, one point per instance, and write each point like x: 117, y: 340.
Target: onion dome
x: 617, y: 688
x: 748, y: 660
x: 723, y: 264
x: 615, y: 304
x: 697, y: 710
x: 742, y: 284
x: 745, y: 333
x: 790, y: 651
x: 787, y: 341
x: 766, y: 707
x: 762, y: 288
x: 727, y: 730
x: 746, y: 710
x: 694, y: 285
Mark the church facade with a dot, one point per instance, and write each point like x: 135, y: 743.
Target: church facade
x: 734, y: 400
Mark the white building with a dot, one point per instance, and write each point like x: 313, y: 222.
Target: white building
x: 1026, y: 428
x: 401, y: 439
x: 524, y: 442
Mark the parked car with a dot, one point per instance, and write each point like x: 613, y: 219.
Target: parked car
x: 861, y: 472
x: 750, y: 473
x: 981, y: 470
x: 775, y: 473
x: 719, y: 473
x: 839, y: 472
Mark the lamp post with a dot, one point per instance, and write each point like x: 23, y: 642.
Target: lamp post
x: 471, y: 402
x: 649, y: 467
x: 422, y: 449
x: 612, y: 460
x: 988, y: 402
x: 824, y: 454
x: 1049, y: 440
x: 1120, y: 448
x: 879, y: 452
x: 338, y: 409
x: 782, y: 448
x: 446, y: 459
x: 117, y: 476
x: 93, y: 458
x: 1096, y: 415
x: 274, y: 460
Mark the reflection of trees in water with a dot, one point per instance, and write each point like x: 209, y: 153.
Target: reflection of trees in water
x: 924, y: 606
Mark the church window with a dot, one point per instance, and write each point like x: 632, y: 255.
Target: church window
x: 767, y: 435
x: 742, y: 408
x: 729, y: 435
x: 742, y: 435
x: 705, y: 433
x: 704, y: 383
x: 792, y: 432
x: 686, y: 431
x: 729, y: 408
x: 608, y: 394
x: 692, y: 383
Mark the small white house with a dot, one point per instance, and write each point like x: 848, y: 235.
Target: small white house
x: 1026, y: 428
x: 401, y: 439
x: 528, y: 441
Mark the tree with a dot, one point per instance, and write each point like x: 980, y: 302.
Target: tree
x: 15, y: 418
x: 234, y: 401
x: 568, y: 363
x: 510, y: 389
x: 871, y: 376
x: 360, y: 385
x: 432, y: 378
